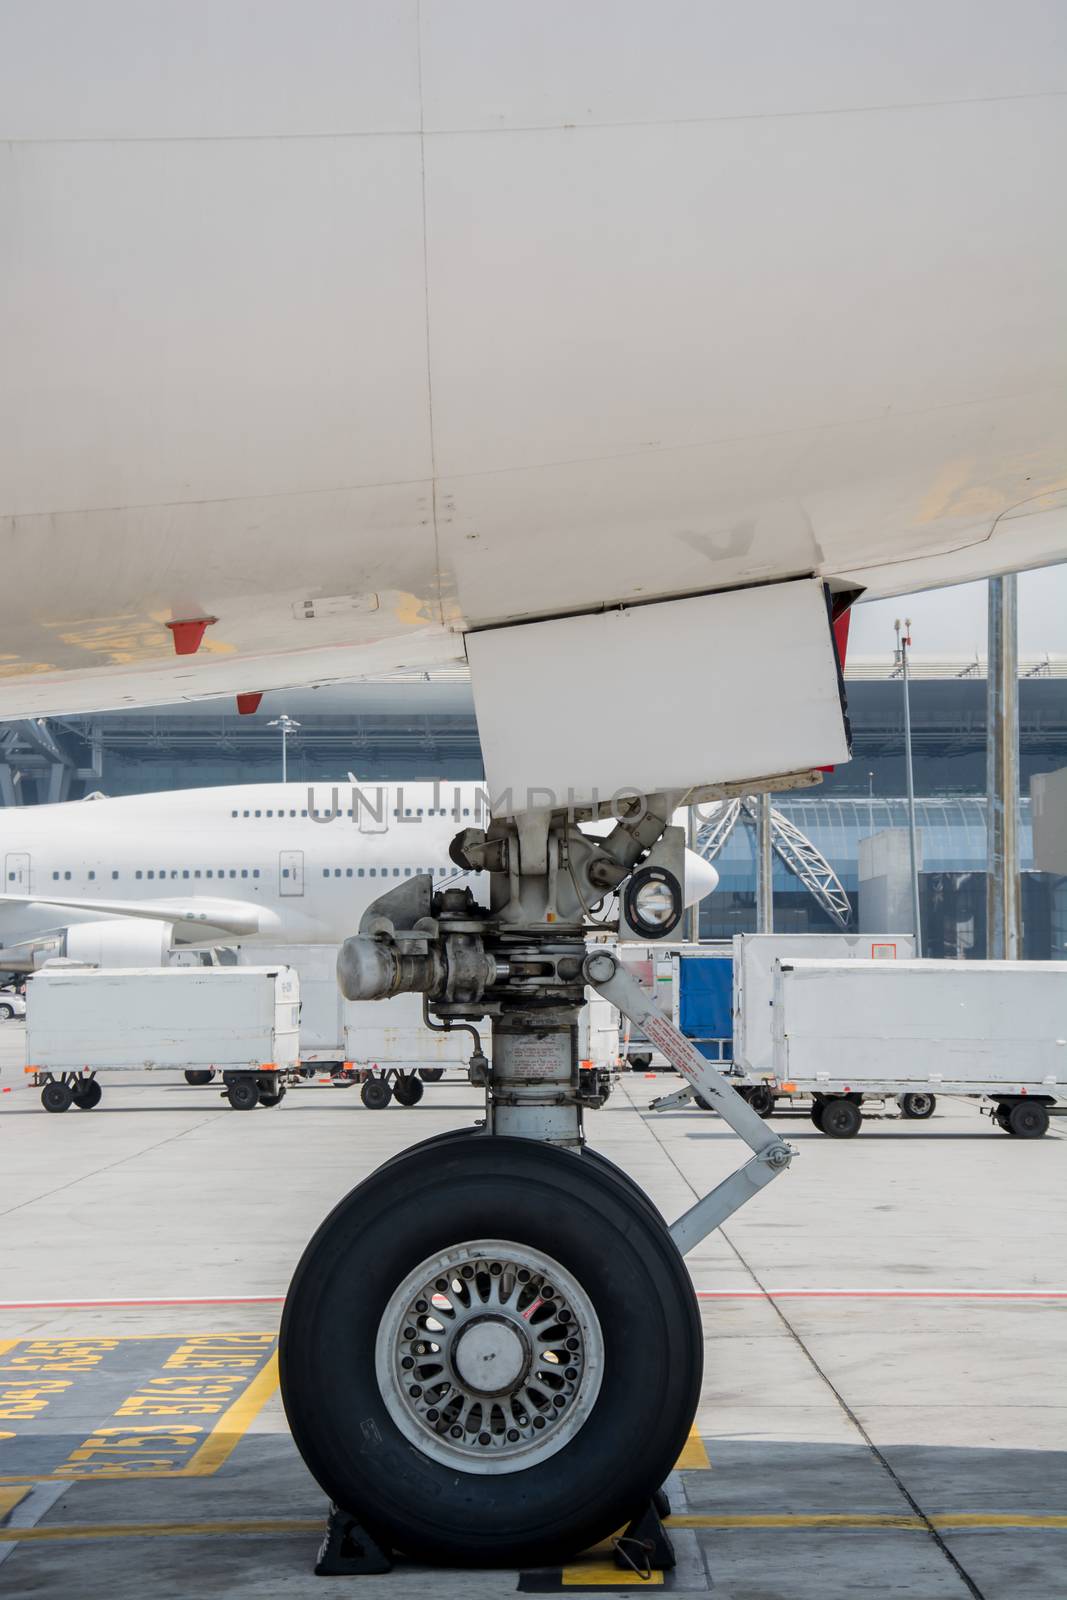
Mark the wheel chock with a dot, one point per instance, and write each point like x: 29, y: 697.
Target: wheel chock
x: 645, y: 1548
x: 347, y: 1549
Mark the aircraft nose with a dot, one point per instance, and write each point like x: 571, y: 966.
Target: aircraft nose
x: 700, y: 877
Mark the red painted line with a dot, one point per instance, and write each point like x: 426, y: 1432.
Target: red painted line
x: 881, y: 1294
x: 172, y: 1300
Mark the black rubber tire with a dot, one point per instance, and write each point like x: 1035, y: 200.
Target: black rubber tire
x: 817, y: 1109
x: 431, y: 1074
x: 761, y: 1099
x: 274, y: 1099
x: 917, y: 1107
x: 87, y: 1094
x: 705, y: 1105
x: 421, y: 1203
x: 6, y: 1011
x: 57, y: 1096
x: 639, y: 1063
x: 1028, y: 1119
x: 376, y: 1094
x: 841, y: 1118
x: 408, y: 1090
x: 198, y: 1076
x: 243, y: 1095
x: 309, y: 1071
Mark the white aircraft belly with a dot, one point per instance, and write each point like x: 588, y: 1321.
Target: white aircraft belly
x: 478, y: 311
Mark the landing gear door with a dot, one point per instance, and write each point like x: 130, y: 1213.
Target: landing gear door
x: 290, y: 871
x: 17, y: 873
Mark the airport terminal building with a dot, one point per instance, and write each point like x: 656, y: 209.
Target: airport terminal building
x: 418, y: 725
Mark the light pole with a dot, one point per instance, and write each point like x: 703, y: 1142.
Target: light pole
x: 288, y: 726
x: 903, y: 646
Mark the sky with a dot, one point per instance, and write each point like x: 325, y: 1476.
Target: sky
x: 953, y: 621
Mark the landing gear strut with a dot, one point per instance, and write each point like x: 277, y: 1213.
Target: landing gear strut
x: 491, y: 1350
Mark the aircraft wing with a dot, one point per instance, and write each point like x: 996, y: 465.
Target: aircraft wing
x: 197, y: 916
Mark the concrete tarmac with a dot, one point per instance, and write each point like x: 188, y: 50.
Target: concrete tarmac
x: 883, y: 1409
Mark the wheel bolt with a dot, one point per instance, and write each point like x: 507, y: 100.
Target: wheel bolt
x: 572, y: 1344
x: 571, y: 1373
x: 415, y: 1392
x: 420, y: 1305
x: 407, y: 1363
x: 431, y: 1416
x: 496, y: 1269
x: 468, y: 1272
x: 559, y: 1402
x: 442, y: 1283
x: 539, y: 1422
x: 409, y: 1333
x: 513, y: 1436
x: 522, y: 1275
x: 547, y: 1291
x: 457, y: 1433
x: 484, y: 1438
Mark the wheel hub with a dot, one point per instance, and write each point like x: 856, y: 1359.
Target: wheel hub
x: 489, y: 1357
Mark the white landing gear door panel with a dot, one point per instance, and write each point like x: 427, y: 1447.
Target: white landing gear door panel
x: 719, y: 688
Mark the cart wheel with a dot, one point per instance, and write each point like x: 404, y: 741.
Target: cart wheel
x: 431, y: 1074
x: 87, y: 1094
x: 841, y: 1119
x: 243, y: 1094
x: 376, y: 1094
x: 1028, y: 1119
x: 57, y: 1096
x: 408, y: 1089
x: 275, y: 1099
x: 817, y: 1109
x: 640, y: 1063
x: 198, y: 1076
x: 307, y: 1071
x: 917, y: 1107
x: 705, y: 1105
x: 761, y: 1100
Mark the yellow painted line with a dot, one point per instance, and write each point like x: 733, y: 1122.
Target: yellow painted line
x: 234, y: 1423
x: 694, y: 1457
x: 9, y: 1498
x: 57, y: 1532
x: 604, y: 1575
x: 6, y: 1345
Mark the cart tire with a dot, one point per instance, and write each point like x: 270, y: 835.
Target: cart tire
x: 761, y: 1099
x: 87, y: 1094
x: 275, y: 1099
x: 640, y: 1063
x: 198, y: 1076
x: 917, y: 1107
x: 817, y: 1109
x: 841, y: 1118
x: 57, y: 1096
x: 431, y: 1074
x: 243, y: 1095
x: 1028, y: 1119
x: 408, y: 1090
x: 376, y: 1094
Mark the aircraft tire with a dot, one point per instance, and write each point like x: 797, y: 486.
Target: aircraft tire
x: 508, y: 1491
x: 87, y: 1094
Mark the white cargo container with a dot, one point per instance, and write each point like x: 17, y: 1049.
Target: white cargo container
x: 240, y: 1021
x: 996, y: 1029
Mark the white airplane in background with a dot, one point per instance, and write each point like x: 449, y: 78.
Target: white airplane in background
x: 124, y: 882
x: 607, y: 344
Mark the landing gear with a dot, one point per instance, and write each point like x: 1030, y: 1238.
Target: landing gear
x: 917, y: 1107
x: 376, y: 1094
x: 408, y: 1089
x: 87, y: 1094
x: 198, y: 1076
x: 508, y: 1373
x: 490, y: 1352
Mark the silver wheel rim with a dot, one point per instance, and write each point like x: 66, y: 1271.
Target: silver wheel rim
x: 489, y: 1357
